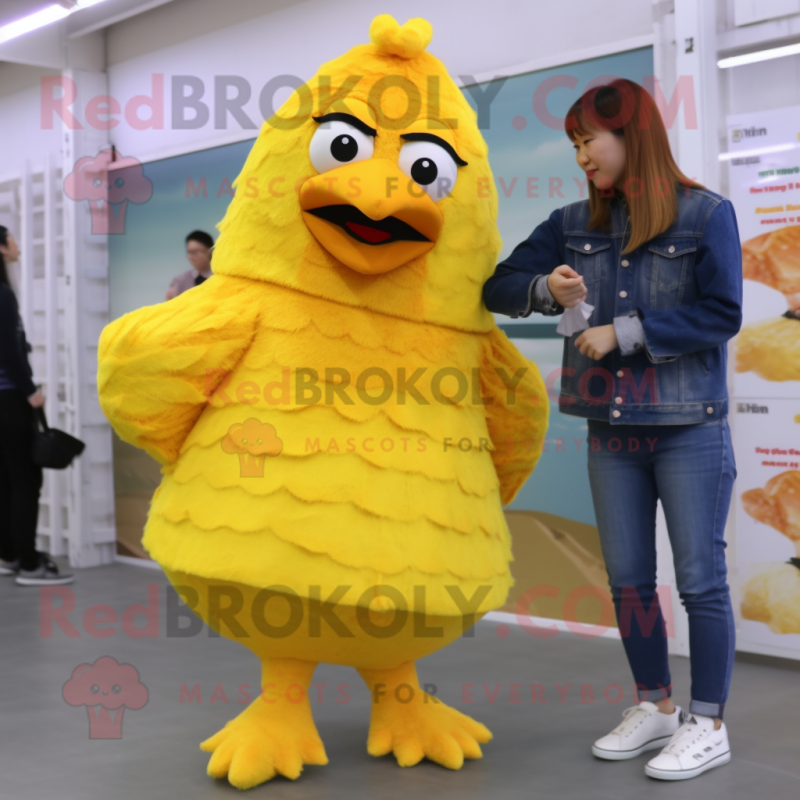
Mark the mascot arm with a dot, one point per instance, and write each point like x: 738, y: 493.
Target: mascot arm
x: 158, y: 365
x: 517, y: 412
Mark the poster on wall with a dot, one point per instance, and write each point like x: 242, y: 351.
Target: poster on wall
x: 767, y: 517
x: 764, y: 169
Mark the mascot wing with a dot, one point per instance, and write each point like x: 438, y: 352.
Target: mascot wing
x: 517, y: 412
x: 158, y: 365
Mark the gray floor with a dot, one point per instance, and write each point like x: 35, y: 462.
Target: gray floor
x: 539, y: 750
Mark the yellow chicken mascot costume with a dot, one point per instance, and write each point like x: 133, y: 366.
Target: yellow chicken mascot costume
x: 338, y: 418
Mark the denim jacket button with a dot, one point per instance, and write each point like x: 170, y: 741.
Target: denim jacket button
x: 710, y: 410
x: 587, y: 247
x: 618, y: 400
x: 625, y: 262
x: 620, y: 373
x: 671, y: 248
x: 623, y: 294
x: 616, y: 413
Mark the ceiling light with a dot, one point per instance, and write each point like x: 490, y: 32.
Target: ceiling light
x: 759, y: 55
x: 41, y: 18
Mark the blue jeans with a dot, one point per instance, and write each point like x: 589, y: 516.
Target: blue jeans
x: 691, y: 469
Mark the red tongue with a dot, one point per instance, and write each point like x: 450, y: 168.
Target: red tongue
x: 368, y: 233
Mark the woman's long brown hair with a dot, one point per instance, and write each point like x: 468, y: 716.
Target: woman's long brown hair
x: 651, y: 178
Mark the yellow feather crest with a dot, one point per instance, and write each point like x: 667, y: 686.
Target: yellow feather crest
x: 406, y: 41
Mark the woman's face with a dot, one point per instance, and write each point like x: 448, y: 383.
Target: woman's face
x: 10, y: 249
x: 601, y: 154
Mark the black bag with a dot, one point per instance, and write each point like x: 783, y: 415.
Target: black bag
x: 52, y: 448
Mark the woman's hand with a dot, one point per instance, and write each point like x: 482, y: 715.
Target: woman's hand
x: 566, y: 286
x: 597, y: 342
x: 36, y: 399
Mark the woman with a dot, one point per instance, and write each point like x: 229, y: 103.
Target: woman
x: 20, y: 477
x: 658, y: 257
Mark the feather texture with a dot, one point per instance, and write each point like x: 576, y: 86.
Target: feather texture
x: 361, y: 493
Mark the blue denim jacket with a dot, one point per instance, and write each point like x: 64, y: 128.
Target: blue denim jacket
x: 674, y: 301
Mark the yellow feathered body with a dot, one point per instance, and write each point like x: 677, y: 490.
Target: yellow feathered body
x: 334, y: 415
x: 403, y: 492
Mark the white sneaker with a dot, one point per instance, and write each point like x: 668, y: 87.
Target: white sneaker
x: 694, y: 748
x: 643, y: 728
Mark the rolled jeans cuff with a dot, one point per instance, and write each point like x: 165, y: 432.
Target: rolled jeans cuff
x: 654, y: 695
x: 706, y: 709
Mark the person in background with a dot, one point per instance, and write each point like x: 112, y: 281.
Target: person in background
x: 20, y: 477
x: 198, y: 251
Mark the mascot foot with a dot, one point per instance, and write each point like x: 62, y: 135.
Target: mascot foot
x: 274, y: 735
x: 413, y: 724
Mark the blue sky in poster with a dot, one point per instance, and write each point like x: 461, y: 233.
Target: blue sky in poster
x: 150, y: 253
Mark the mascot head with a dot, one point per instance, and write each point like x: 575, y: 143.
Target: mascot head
x: 371, y: 186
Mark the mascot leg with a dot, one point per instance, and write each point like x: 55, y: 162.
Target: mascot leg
x: 413, y: 724
x: 275, y: 734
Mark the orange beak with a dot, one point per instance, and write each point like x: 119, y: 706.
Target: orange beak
x: 370, y: 216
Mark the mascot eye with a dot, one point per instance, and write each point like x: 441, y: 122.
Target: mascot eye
x: 116, y: 688
x: 244, y: 441
x: 94, y: 689
x: 335, y: 143
x: 429, y: 165
x: 259, y: 441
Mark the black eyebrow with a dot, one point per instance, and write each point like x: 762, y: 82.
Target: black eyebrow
x: 340, y: 116
x: 430, y: 137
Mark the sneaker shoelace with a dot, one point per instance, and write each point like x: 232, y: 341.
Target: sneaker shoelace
x: 681, y: 740
x: 627, y: 713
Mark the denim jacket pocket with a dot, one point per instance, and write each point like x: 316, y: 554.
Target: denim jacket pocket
x: 670, y: 265
x: 591, y: 258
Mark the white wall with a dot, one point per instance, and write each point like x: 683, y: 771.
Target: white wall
x: 470, y: 38
x: 21, y: 135
x: 259, y: 39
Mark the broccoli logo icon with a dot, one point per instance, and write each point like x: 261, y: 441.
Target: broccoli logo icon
x: 252, y: 441
x: 108, y: 193
x: 103, y: 687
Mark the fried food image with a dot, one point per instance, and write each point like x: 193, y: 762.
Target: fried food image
x: 773, y: 595
x: 771, y: 348
x: 777, y: 504
x: 774, y: 259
